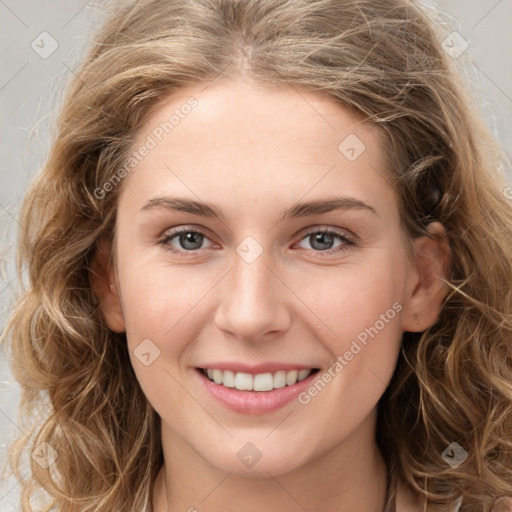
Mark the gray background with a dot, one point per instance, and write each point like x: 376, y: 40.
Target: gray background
x: 30, y: 81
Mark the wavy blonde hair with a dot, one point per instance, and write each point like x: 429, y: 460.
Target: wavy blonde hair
x: 381, y: 59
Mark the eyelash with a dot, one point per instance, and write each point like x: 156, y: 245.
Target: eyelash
x: 347, y: 241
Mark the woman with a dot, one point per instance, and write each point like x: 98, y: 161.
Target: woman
x: 269, y: 260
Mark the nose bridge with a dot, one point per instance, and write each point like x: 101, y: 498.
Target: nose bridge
x: 250, y: 304
x: 251, y: 281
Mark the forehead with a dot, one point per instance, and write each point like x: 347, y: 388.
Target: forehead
x: 230, y: 107
x: 245, y: 139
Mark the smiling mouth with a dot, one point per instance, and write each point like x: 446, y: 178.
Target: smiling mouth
x: 259, y: 382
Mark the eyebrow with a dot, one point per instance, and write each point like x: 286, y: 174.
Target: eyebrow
x: 304, y: 209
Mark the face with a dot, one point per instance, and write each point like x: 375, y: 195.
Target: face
x: 260, y: 238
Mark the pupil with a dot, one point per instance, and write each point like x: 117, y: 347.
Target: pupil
x: 188, y: 238
x: 322, y: 238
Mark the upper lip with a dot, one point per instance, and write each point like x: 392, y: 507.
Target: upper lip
x: 255, y: 369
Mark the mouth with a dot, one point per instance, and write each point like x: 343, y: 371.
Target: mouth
x: 256, y: 388
x: 256, y: 382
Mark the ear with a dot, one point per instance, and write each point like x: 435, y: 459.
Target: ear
x: 104, y: 286
x: 431, y: 264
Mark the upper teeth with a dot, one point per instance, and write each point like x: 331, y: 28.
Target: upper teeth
x: 258, y: 382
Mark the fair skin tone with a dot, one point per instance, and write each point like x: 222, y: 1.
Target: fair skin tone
x: 253, y: 152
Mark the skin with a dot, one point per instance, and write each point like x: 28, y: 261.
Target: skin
x: 253, y: 151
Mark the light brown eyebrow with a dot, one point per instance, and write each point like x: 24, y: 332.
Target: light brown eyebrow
x: 305, y: 209
x: 180, y: 204
x: 326, y: 205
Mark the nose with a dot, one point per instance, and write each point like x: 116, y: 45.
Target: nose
x: 252, y: 301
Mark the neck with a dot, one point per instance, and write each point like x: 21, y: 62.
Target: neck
x: 350, y: 476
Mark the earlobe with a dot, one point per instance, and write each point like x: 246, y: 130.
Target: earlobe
x: 102, y: 278
x: 427, y: 289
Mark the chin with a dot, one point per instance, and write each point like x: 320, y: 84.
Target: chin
x: 256, y: 461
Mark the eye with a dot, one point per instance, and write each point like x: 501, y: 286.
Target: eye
x: 322, y: 240
x: 187, y: 240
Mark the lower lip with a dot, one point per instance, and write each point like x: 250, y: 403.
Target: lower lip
x: 255, y: 402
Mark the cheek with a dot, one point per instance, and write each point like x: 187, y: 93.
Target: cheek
x: 165, y: 311
x: 349, y: 299
x: 365, y: 318
x: 168, y: 303
x: 362, y: 308
x: 161, y: 310
x: 163, y: 301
